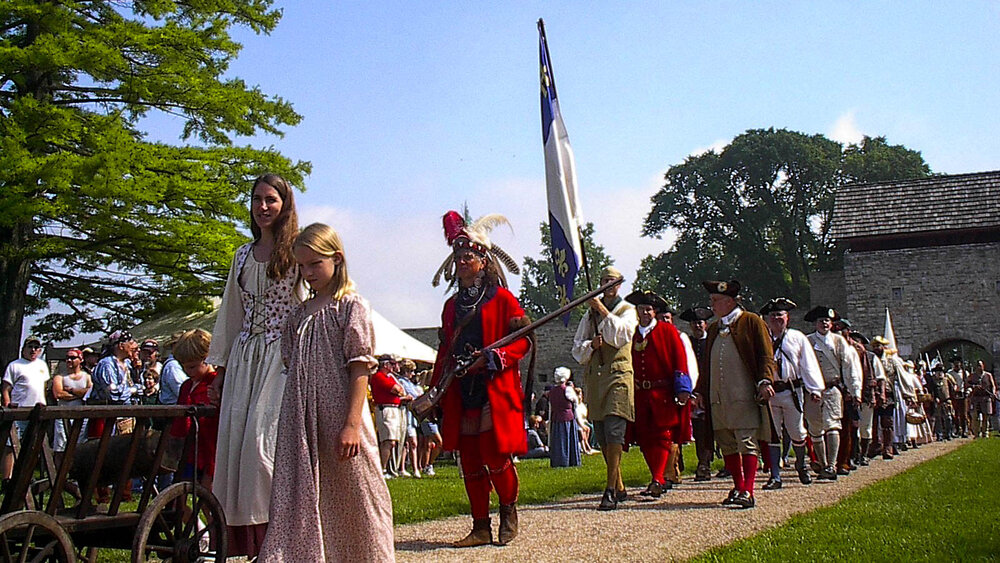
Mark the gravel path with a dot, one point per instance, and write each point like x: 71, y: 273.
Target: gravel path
x: 630, y: 533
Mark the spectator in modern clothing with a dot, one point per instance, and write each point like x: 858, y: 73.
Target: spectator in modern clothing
x: 536, y: 447
x: 24, y: 386
x: 171, y: 375
x: 69, y: 390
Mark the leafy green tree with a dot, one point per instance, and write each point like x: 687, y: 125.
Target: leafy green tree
x: 538, y: 293
x: 97, y: 216
x: 759, y: 211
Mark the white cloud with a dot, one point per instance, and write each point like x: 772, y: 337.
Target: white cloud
x: 717, y: 146
x: 393, y: 254
x: 845, y: 130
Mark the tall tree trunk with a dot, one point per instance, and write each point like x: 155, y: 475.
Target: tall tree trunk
x: 15, y: 273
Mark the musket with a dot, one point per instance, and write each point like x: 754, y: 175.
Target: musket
x: 423, y: 405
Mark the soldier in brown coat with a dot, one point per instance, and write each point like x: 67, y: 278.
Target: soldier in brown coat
x: 735, y: 384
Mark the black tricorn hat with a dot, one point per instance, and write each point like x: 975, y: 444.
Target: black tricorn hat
x: 859, y: 337
x: 730, y: 288
x: 777, y: 304
x: 821, y: 312
x: 647, y: 297
x: 696, y: 314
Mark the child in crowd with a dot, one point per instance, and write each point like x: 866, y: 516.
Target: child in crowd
x: 328, y: 499
x: 151, y: 386
x: 191, y: 350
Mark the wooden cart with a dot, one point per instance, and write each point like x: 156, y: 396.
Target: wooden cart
x: 47, y: 516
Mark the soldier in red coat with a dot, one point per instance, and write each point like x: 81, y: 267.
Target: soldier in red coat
x: 483, y: 410
x: 662, y: 388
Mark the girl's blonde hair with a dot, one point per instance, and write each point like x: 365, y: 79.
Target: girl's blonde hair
x: 323, y: 240
x: 192, y: 346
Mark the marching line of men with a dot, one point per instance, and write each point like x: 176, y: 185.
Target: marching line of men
x: 736, y: 386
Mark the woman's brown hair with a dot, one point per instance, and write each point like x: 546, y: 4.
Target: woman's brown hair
x: 285, y: 229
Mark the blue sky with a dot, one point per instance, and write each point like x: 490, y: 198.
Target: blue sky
x: 413, y: 108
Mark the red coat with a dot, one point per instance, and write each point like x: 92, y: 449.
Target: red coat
x: 506, y: 396
x: 208, y: 426
x: 660, y: 357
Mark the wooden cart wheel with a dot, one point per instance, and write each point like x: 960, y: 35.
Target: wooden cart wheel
x: 31, y: 536
x: 169, y: 529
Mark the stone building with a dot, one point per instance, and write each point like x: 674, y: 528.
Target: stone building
x: 929, y: 251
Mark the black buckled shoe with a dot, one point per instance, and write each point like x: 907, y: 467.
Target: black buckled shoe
x: 731, y: 499
x: 654, y: 490
x: 621, y: 496
x: 723, y: 474
x: 608, y: 501
x: 827, y: 475
x: 804, y: 477
x: 702, y: 474
x: 772, y: 484
x: 843, y: 471
x: 744, y: 500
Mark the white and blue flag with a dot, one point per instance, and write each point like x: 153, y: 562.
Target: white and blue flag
x: 560, y: 182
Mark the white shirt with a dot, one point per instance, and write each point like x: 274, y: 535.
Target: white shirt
x: 692, y: 360
x: 799, y: 362
x: 616, y: 329
x: 27, y: 381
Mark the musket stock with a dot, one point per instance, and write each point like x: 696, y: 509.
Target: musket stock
x: 423, y: 405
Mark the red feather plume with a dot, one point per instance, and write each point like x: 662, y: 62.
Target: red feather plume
x: 454, y: 225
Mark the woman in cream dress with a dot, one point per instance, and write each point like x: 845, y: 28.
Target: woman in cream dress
x: 262, y: 288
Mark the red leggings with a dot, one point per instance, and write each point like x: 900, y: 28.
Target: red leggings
x: 484, y: 469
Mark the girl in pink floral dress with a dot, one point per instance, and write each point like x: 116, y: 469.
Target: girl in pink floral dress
x: 328, y: 499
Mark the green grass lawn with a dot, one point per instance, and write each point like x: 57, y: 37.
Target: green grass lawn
x: 942, y: 510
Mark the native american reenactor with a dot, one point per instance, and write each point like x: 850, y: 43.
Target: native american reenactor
x: 982, y: 393
x: 960, y: 399
x: 483, y: 409
x: 797, y: 380
x: 601, y: 345
x: 662, y: 389
x: 736, y: 380
x: 841, y: 375
x: 701, y: 424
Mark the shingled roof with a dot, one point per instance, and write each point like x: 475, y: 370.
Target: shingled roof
x: 911, y: 207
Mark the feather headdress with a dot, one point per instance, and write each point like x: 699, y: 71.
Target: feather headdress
x: 474, y: 237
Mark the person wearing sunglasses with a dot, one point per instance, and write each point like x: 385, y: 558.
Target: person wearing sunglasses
x: 23, y: 386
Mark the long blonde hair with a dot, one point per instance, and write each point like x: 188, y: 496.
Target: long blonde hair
x: 323, y: 240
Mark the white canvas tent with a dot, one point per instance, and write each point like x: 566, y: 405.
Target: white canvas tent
x: 389, y: 339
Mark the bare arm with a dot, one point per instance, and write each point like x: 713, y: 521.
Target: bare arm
x: 6, y: 394
x: 59, y: 392
x: 350, y: 436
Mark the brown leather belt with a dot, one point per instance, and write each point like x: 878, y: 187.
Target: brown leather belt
x: 646, y: 384
x: 780, y: 386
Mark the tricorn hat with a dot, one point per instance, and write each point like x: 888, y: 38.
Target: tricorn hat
x: 474, y: 237
x: 777, y: 304
x: 821, y: 312
x: 696, y: 314
x: 859, y: 337
x: 730, y: 288
x: 650, y: 298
